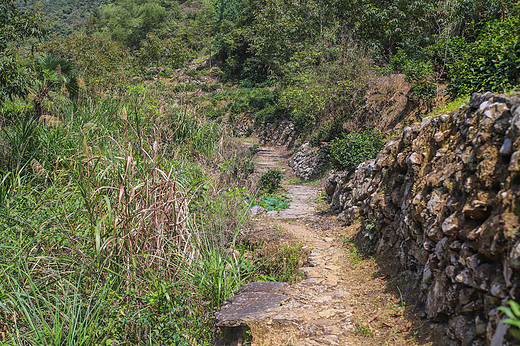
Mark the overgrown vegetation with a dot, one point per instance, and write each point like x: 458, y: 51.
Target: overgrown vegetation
x: 354, y: 255
x: 270, y: 181
x: 352, y: 149
x: 122, y: 199
x: 105, y: 225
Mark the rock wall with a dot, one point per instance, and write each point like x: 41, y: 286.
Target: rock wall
x: 309, y: 163
x: 282, y: 133
x: 445, y: 201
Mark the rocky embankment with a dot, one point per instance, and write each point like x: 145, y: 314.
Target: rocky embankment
x: 443, y: 200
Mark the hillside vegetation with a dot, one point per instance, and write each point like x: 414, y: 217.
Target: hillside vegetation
x: 123, y: 195
x: 63, y: 17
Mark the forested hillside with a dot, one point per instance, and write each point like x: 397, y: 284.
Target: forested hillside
x: 124, y: 191
x: 65, y: 16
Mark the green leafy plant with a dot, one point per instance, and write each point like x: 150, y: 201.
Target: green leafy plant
x: 513, y: 314
x: 270, y: 181
x: 354, y: 255
x: 419, y: 72
x: 351, y: 149
x: 363, y: 329
x: 16, y: 26
x: 490, y: 63
x: 274, y: 203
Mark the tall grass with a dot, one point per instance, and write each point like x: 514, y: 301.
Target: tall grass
x: 104, y: 228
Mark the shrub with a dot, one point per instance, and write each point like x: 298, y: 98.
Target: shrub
x: 261, y: 101
x: 270, y: 181
x: 286, y: 261
x: 253, y: 150
x: 419, y: 72
x: 491, y: 63
x: 354, y: 148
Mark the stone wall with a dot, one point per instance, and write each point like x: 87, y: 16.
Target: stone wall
x: 309, y: 163
x: 445, y: 199
x: 282, y: 133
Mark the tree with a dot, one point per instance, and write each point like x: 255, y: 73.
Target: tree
x: 129, y: 21
x: 16, y: 26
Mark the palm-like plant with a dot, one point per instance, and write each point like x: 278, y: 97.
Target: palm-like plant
x: 57, y: 73
x: 53, y: 74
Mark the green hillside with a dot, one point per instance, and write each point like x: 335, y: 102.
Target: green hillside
x: 66, y: 15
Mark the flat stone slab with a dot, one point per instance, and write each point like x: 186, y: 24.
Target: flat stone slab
x: 255, y: 301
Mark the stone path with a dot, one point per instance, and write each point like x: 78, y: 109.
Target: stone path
x: 319, y: 308
x: 314, y: 311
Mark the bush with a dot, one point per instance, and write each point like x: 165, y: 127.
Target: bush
x: 354, y: 148
x: 261, y: 101
x: 270, y: 181
x: 491, y: 63
x: 419, y: 72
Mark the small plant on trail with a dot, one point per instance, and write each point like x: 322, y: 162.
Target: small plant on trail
x: 364, y: 330
x: 513, y: 312
x: 354, y: 148
x: 370, y: 235
x: 270, y: 181
x: 283, y: 263
x: 354, y: 255
x: 252, y: 150
x: 274, y: 203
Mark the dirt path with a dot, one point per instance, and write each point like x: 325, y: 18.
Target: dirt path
x: 341, y: 298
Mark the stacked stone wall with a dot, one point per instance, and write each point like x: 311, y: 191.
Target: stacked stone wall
x: 445, y: 201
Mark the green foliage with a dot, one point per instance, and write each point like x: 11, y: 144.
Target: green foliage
x: 196, y: 27
x: 64, y: 16
x: 57, y: 74
x: 171, y: 51
x: 47, y: 318
x: 219, y: 275
x: 21, y: 143
x: 490, y: 63
x: 283, y: 263
x: 110, y: 223
x: 254, y: 149
x: 274, y: 202
x: 513, y: 314
x: 270, y: 181
x: 234, y: 35
x: 354, y: 148
x: 420, y: 72
x: 354, y: 255
x: 99, y: 61
x: 326, y: 83
x: 363, y: 330
x: 299, y: 43
x: 327, y: 132
x: 449, y: 107
x: 16, y: 26
x: 129, y: 22
x: 264, y: 103
x: 289, y: 259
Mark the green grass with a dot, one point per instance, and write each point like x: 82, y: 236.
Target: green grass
x: 449, y: 107
x: 354, y: 255
x: 363, y: 330
x: 116, y: 223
